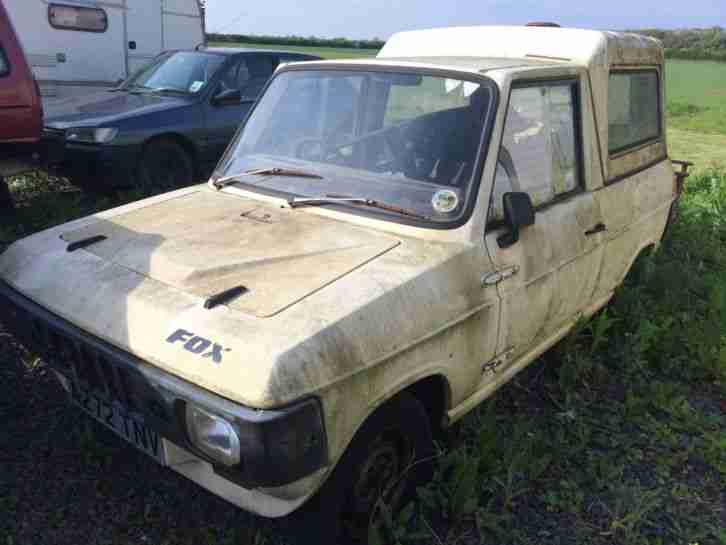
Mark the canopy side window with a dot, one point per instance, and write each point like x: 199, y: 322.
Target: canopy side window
x: 633, y: 109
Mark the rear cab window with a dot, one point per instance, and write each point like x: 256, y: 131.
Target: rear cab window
x: 405, y: 102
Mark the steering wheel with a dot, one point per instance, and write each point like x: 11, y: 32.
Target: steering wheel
x: 309, y: 149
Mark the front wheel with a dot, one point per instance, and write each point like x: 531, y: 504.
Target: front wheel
x: 379, y: 471
x: 165, y: 165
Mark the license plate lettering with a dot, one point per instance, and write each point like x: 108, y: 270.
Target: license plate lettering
x: 140, y: 435
x: 115, y: 416
x: 153, y: 442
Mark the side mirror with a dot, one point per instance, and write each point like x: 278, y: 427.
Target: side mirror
x: 229, y: 96
x: 518, y: 213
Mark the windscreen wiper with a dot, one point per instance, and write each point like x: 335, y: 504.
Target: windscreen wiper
x: 343, y: 199
x: 136, y: 89
x: 219, y: 183
x: 151, y: 91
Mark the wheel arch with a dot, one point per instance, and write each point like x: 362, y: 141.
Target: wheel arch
x: 432, y: 390
x: 646, y: 249
x: 434, y: 393
x: 186, y: 143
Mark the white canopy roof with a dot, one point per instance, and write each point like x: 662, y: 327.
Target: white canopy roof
x: 583, y: 47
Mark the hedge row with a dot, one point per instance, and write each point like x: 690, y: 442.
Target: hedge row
x: 310, y: 41
x: 692, y: 44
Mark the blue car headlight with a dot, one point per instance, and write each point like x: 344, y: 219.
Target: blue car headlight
x: 91, y: 135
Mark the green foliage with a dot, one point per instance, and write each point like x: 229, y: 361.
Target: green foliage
x: 612, y: 443
x: 454, y: 490
x: 714, y: 450
x: 692, y: 44
x: 300, y: 41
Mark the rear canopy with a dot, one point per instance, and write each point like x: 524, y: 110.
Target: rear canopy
x: 603, y: 54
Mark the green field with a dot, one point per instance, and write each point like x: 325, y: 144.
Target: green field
x: 325, y: 52
x: 615, y: 437
x: 696, y: 96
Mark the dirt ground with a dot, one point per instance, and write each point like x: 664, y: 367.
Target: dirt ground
x: 65, y: 480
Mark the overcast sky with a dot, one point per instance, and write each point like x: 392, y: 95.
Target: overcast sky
x: 381, y: 18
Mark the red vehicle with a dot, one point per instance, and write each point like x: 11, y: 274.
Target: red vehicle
x: 21, y: 110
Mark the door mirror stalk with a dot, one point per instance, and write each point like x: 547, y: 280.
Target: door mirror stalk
x: 518, y: 213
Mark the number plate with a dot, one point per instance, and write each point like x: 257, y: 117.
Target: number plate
x: 116, y: 417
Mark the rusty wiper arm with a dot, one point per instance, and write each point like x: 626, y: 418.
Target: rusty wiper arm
x: 335, y: 199
x: 219, y: 183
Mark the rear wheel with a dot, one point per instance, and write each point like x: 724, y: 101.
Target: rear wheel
x: 6, y: 200
x: 388, y: 457
x: 672, y: 218
x: 165, y: 165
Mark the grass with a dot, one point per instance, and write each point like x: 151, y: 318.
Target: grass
x: 617, y: 436
x: 325, y: 52
x: 706, y: 151
x: 696, y: 92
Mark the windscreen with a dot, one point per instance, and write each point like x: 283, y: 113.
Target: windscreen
x: 184, y: 72
x: 408, y: 139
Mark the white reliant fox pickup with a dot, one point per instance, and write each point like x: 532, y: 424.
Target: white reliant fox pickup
x: 384, y: 244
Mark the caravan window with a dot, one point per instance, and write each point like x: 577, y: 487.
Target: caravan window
x: 66, y: 17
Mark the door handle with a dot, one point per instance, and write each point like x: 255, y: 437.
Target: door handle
x: 599, y: 228
x: 494, y: 278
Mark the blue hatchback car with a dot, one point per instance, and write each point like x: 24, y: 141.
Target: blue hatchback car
x: 165, y: 126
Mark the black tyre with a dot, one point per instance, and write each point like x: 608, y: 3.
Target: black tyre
x: 6, y: 199
x: 388, y: 457
x: 91, y: 185
x: 165, y: 165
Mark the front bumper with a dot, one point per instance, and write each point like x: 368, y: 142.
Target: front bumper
x: 274, y: 452
x: 103, y: 165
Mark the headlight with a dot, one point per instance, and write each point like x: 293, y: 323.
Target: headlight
x: 213, y: 435
x: 91, y: 135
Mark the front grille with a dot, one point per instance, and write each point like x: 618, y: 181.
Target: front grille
x: 75, y: 359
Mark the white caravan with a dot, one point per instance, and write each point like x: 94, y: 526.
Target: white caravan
x: 76, y: 44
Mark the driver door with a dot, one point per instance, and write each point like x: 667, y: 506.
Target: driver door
x: 549, y: 276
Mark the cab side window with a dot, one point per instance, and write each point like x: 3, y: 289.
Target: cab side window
x: 539, y: 154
